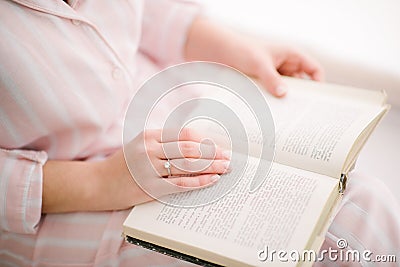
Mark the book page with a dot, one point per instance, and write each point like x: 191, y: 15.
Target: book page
x: 317, y: 126
x: 282, y: 214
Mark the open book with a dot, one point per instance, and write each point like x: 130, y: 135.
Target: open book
x: 320, y: 130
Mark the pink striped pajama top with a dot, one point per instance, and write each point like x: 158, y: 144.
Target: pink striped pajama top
x: 67, y: 73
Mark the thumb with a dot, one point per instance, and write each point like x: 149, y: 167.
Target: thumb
x: 272, y: 81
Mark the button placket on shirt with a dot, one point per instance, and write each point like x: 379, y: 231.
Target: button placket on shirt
x: 117, y: 73
x: 76, y: 22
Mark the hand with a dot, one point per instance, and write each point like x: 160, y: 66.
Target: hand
x: 271, y: 60
x: 252, y: 56
x: 195, y: 163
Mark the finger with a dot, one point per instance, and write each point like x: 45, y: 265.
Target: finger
x: 166, y: 186
x: 193, y: 182
x: 312, y: 68
x: 173, y: 135
x: 190, y: 149
x: 272, y: 81
x: 297, y: 75
x: 180, y: 167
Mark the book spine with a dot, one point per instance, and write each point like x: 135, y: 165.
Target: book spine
x: 170, y: 252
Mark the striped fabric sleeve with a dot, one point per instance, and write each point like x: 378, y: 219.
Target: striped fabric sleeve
x: 164, y: 29
x: 21, y: 179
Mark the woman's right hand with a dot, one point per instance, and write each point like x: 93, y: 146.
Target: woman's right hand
x: 141, y: 175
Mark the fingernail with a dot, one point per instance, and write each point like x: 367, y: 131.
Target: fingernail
x: 281, y: 90
x: 215, y: 178
x: 226, y: 165
x: 226, y: 154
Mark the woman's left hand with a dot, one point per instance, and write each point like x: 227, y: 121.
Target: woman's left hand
x: 257, y: 58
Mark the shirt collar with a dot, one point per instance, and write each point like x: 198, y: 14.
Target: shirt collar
x: 54, y: 7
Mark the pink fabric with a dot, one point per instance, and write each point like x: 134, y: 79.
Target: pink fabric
x: 67, y: 74
x: 21, y: 172
x: 368, y: 219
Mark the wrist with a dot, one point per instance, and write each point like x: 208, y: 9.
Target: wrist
x: 113, y: 186
x: 95, y: 185
x: 205, y: 41
x: 102, y: 187
x: 210, y: 42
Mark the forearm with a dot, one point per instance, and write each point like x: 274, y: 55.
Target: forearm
x: 210, y: 42
x: 109, y: 185
x: 69, y: 186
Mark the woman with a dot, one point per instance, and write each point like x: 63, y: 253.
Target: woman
x: 68, y: 71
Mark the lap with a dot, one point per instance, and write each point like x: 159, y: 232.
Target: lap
x: 368, y: 219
